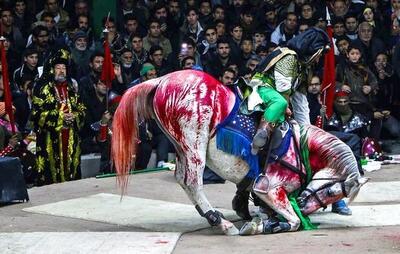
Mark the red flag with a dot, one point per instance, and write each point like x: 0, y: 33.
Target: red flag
x: 107, y: 73
x: 6, y: 85
x: 329, y: 78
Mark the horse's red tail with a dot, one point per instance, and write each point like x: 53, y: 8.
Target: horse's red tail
x: 133, y: 108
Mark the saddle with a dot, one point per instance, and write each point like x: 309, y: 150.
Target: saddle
x: 278, y: 135
x: 235, y: 135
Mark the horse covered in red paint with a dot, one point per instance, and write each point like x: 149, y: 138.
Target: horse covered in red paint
x: 190, y: 106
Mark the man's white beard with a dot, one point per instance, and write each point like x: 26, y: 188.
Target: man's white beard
x: 81, y: 48
x: 60, y: 79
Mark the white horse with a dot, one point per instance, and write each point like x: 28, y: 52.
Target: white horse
x: 189, y: 105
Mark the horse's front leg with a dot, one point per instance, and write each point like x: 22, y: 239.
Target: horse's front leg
x: 277, y: 199
x: 190, y: 177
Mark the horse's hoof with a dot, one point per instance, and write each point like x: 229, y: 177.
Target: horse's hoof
x: 253, y: 227
x: 228, y: 227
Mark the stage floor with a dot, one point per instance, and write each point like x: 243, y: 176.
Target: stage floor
x: 89, y: 212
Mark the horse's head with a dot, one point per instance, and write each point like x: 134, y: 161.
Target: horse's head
x: 324, y: 190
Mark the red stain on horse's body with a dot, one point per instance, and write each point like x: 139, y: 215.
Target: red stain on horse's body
x: 280, y: 174
x: 316, y: 162
x: 209, y: 97
x: 318, y: 149
x: 189, y: 105
x: 281, y: 200
x: 281, y: 195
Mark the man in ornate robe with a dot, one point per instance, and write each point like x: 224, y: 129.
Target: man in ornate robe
x: 58, y: 116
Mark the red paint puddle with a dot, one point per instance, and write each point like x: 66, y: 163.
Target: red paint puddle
x: 161, y: 242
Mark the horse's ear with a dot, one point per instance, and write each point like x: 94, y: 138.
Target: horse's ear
x: 351, y: 179
x: 351, y: 184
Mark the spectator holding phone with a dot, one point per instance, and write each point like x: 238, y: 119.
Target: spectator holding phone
x: 187, y: 48
x: 384, y: 98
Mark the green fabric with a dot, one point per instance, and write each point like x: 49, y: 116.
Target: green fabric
x: 265, y: 78
x: 288, y: 67
x: 306, y: 223
x: 246, y: 92
x: 47, y: 116
x: 100, y: 9
x: 305, y: 220
x: 305, y: 155
x: 275, y: 104
x: 146, y: 68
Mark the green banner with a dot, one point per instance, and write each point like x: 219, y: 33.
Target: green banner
x: 100, y: 9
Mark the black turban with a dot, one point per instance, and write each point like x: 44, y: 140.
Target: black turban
x: 308, y: 43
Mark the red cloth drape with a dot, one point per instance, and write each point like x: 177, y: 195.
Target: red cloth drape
x: 6, y: 85
x: 329, y: 78
x: 107, y: 73
x: 63, y: 96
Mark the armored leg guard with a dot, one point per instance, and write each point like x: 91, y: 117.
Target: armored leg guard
x: 272, y: 226
x: 261, y: 137
x: 213, y: 217
x: 259, y: 226
x: 253, y: 227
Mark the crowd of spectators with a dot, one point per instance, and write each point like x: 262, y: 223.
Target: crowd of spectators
x: 225, y: 38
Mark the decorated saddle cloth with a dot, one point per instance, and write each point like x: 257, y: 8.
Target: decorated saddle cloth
x: 235, y: 135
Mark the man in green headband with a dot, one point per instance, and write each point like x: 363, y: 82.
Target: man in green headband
x: 147, y: 72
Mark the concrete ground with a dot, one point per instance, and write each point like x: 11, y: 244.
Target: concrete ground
x: 162, y: 186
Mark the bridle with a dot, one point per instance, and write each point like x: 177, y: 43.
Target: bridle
x: 314, y: 193
x: 303, y: 176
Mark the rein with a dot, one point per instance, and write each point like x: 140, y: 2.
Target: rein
x: 296, y: 169
x: 324, y: 186
x: 303, y: 177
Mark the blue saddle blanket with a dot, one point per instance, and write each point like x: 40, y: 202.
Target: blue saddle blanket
x: 235, y: 134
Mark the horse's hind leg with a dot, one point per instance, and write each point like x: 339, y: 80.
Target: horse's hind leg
x: 189, y: 174
x: 277, y: 199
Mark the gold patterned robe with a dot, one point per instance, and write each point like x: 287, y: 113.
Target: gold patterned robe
x: 47, y: 116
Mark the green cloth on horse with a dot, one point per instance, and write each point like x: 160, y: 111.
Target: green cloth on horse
x: 305, y: 220
x: 306, y: 223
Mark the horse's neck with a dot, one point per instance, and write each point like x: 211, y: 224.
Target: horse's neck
x: 326, y: 150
